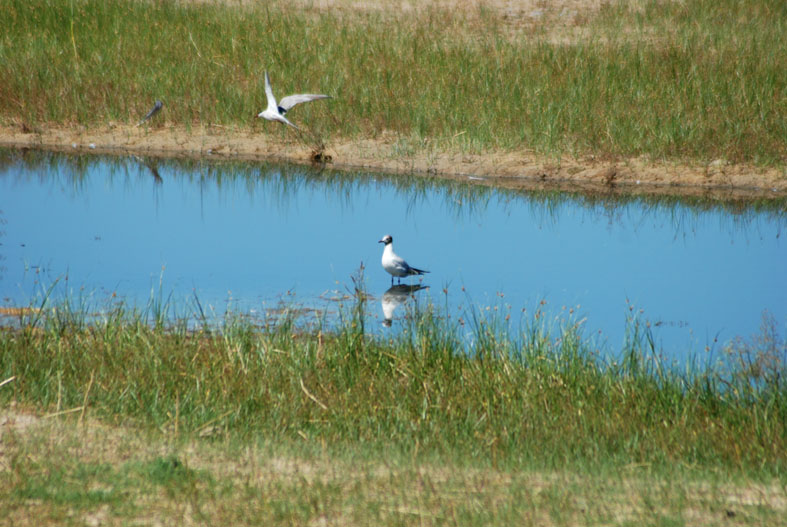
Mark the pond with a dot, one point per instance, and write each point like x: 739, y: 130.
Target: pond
x: 254, y: 237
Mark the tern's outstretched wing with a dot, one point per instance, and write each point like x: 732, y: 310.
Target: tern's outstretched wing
x: 269, y: 94
x: 291, y: 100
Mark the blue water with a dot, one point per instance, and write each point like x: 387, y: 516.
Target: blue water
x: 252, y: 236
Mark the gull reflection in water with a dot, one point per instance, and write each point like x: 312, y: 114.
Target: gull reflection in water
x: 395, y: 297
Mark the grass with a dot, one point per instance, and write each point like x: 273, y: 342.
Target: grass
x: 92, y: 474
x: 707, y: 78
x: 138, y: 419
x: 538, y: 400
x: 243, y: 423
x: 250, y: 489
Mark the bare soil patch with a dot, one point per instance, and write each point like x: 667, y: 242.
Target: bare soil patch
x: 553, y: 21
x: 512, y: 169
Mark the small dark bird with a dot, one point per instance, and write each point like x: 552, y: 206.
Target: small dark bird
x: 153, y: 111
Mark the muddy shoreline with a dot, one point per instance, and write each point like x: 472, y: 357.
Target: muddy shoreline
x: 513, y: 170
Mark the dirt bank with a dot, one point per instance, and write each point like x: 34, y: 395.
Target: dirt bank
x: 519, y: 169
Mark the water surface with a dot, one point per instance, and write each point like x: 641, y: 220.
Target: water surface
x: 248, y: 236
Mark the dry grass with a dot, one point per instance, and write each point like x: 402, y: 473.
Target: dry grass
x: 555, y: 22
x: 58, y: 471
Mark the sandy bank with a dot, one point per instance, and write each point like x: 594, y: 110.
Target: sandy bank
x: 519, y: 169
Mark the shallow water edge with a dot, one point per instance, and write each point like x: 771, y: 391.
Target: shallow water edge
x: 523, y: 170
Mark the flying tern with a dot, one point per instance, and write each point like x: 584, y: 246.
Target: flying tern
x: 275, y: 111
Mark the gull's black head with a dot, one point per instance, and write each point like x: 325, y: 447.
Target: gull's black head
x: 386, y: 239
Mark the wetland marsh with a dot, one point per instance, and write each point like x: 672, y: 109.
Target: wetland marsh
x: 193, y: 331
x: 207, y: 237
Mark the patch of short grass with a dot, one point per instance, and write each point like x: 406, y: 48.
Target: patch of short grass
x: 150, y: 477
x: 697, y: 80
x: 68, y: 487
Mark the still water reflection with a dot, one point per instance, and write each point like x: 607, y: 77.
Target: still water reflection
x: 395, y: 296
x: 248, y: 237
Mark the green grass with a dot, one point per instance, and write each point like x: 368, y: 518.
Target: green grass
x: 690, y: 81
x: 95, y: 474
x: 251, y: 423
x: 518, y: 397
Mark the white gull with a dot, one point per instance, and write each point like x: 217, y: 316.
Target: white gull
x: 395, y: 264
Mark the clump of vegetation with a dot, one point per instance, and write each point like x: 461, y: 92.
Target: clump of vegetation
x: 758, y: 363
x: 534, y: 395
